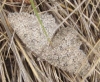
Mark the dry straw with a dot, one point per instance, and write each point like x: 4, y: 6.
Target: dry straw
x: 74, y: 51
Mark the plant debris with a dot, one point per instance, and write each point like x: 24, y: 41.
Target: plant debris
x: 21, y: 1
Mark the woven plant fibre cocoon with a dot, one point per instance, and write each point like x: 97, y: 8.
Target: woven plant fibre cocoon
x: 65, y: 50
x: 29, y: 30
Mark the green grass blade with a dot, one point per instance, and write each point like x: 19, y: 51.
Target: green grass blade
x: 40, y: 21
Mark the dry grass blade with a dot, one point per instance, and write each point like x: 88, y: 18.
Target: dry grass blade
x: 1, y: 7
x: 28, y: 60
x: 91, y: 70
x: 71, y: 13
x: 13, y: 47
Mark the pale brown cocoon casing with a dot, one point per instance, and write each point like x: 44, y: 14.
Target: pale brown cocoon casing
x: 65, y: 51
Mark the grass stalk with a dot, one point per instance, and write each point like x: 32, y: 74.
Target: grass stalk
x: 39, y: 20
